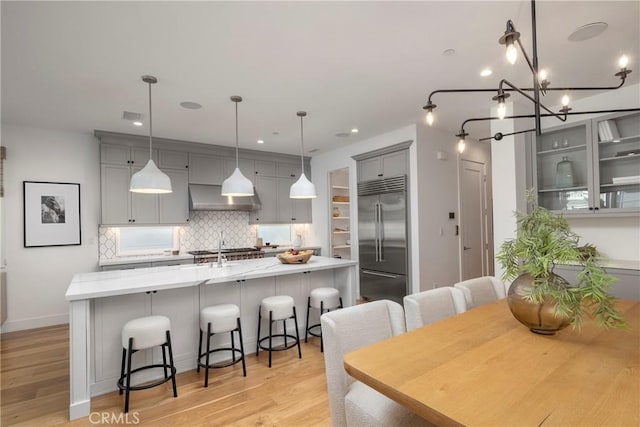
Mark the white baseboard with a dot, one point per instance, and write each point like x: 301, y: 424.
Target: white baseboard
x: 34, y: 322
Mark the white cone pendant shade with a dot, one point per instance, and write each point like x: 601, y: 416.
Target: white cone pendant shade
x: 237, y: 185
x: 150, y: 180
x: 302, y: 189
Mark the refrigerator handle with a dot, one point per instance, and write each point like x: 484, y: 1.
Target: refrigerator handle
x: 380, y: 233
x: 375, y: 273
x: 376, y: 228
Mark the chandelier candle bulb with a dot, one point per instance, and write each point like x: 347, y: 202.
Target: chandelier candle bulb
x: 623, y: 61
x: 430, y: 118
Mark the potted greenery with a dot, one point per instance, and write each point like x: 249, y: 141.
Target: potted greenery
x: 542, y: 300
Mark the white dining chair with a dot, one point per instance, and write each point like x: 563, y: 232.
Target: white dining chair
x: 352, y: 403
x: 482, y: 290
x: 430, y: 306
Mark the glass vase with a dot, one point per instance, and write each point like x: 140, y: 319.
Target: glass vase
x: 564, y: 173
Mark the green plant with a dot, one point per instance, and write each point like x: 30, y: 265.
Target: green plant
x: 544, y: 240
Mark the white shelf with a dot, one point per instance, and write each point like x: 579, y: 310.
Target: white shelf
x: 339, y: 187
x: 341, y: 203
x: 341, y: 232
x: 341, y: 246
x: 340, y: 217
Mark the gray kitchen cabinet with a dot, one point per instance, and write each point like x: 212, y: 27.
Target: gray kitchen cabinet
x: 206, y: 169
x: 267, y: 189
x: 246, y: 166
x: 173, y: 208
x: 119, y: 154
x: 286, y: 170
x: 119, y: 205
x: 297, y: 211
x: 627, y: 286
x: 383, y: 166
x: 580, y: 169
x: 173, y: 159
x: 264, y: 168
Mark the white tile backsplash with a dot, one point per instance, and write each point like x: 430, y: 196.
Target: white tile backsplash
x: 203, y: 232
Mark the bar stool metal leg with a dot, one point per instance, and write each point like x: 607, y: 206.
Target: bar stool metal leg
x: 173, y: 367
x: 244, y: 366
x: 206, y: 371
x: 259, y: 322
x: 128, y: 386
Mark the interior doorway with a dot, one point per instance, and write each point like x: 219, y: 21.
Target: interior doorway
x: 474, y: 244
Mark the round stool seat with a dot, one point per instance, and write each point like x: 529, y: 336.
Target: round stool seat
x: 330, y: 298
x: 281, y: 307
x: 146, y: 332
x: 223, y: 318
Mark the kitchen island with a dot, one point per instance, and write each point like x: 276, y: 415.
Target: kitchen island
x: 101, y: 303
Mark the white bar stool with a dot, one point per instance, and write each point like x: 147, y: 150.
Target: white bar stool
x: 280, y: 307
x: 324, y: 299
x: 215, y: 320
x: 140, y: 334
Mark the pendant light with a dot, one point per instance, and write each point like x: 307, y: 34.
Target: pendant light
x: 150, y: 179
x: 237, y: 184
x: 302, y: 188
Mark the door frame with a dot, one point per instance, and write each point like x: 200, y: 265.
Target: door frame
x: 486, y: 234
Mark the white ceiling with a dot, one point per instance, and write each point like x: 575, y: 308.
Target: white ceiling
x: 371, y: 65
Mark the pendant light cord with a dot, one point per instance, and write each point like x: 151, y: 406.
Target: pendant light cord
x: 150, y: 125
x: 301, y: 145
x: 237, y: 167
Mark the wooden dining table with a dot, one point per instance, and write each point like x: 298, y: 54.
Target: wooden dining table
x: 483, y: 368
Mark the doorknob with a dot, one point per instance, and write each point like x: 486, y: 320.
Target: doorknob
x: 465, y: 248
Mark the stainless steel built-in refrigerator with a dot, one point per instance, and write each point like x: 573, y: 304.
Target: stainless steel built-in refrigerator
x: 382, y: 235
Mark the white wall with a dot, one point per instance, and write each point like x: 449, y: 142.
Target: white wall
x: 38, y: 277
x: 438, y: 195
x: 322, y: 164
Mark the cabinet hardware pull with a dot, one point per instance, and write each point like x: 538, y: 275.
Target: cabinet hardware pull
x: 380, y: 174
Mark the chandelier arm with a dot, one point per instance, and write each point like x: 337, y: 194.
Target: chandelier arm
x: 528, y: 89
x: 526, y: 57
x: 502, y: 135
x: 507, y: 82
x: 531, y: 116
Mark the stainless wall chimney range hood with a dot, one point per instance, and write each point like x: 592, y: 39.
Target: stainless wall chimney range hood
x: 208, y: 198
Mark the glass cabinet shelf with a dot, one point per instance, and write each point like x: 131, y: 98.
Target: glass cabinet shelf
x: 627, y: 157
x: 556, y: 190
x: 563, y: 150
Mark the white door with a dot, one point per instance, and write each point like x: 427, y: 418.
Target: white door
x: 472, y: 220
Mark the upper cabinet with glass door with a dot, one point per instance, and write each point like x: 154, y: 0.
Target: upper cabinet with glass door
x: 617, y: 162
x: 563, y: 166
x: 591, y: 166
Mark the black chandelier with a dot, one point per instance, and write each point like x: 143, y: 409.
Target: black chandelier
x: 541, y: 86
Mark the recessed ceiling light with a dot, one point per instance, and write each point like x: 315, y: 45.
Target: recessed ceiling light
x: 588, y: 31
x: 137, y: 123
x: 190, y: 105
x: 449, y: 52
x: 354, y: 130
x: 342, y: 134
x: 486, y: 72
x: 260, y: 141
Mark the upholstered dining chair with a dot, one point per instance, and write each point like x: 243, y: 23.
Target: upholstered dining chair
x: 482, y: 290
x: 352, y: 403
x: 430, y: 306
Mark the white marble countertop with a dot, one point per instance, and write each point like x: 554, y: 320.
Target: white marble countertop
x: 121, y: 282
x: 151, y: 258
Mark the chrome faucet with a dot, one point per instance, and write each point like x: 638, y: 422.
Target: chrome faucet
x: 220, y: 243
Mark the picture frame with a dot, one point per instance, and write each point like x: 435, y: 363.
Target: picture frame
x: 51, y: 214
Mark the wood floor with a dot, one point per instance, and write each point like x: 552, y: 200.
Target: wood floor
x: 35, y: 389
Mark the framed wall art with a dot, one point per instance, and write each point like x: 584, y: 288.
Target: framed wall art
x: 51, y: 214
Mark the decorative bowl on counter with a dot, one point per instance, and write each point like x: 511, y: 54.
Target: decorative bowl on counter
x: 294, y: 257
